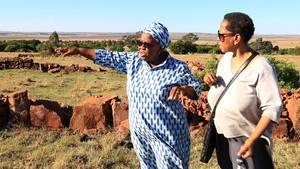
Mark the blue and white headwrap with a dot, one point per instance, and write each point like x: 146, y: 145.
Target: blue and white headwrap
x: 160, y: 33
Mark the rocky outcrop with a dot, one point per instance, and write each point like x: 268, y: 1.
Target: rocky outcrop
x: 19, y: 106
x: 93, y: 113
x: 22, y: 62
x: 102, y: 113
x: 119, y: 112
x: 293, y: 109
x: 45, y: 113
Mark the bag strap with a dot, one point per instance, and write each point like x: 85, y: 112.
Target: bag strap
x: 244, y: 65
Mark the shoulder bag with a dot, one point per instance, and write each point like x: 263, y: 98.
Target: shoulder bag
x: 210, y: 136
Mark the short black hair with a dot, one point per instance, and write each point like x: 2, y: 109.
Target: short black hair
x: 240, y: 23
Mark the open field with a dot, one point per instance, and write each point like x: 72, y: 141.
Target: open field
x: 201, y: 58
x: 42, y: 148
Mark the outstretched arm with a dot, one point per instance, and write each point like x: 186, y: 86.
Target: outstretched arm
x: 87, y: 53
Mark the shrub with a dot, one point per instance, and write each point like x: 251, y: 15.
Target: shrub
x: 133, y: 48
x: 210, y: 67
x: 203, y: 48
x: 118, y: 48
x: 182, y: 47
x: 288, y: 75
x: 296, y: 50
x: 10, y: 48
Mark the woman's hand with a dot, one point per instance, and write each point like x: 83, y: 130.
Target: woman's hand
x: 175, y: 92
x: 210, y: 79
x: 66, y: 51
x: 87, y: 53
x: 180, y: 91
x: 246, y: 150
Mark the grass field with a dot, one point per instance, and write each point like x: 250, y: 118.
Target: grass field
x: 201, y: 58
x: 43, y: 148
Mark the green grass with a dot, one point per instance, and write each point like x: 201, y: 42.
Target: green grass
x: 69, y: 88
x: 42, y: 148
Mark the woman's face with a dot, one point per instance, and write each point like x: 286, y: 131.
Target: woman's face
x: 226, y: 38
x: 149, y: 49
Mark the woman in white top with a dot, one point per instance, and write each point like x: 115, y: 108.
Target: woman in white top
x: 245, y: 115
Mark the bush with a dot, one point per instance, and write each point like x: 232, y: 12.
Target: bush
x: 203, y: 48
x: 288, y: 75
x: 11, y: 48
x: 210, y: 67
x: 133, y: 48
x: 182, y: 47
x: 118, y: 48
x: 296, y: 50
x: 264, y: 47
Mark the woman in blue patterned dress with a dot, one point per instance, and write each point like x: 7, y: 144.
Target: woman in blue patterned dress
x: 155, y: 80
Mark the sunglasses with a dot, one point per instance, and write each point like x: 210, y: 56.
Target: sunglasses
x: 222, y: 36
x: 145, y: 44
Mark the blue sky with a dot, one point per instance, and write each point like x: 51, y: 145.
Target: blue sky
x: 201, y: 16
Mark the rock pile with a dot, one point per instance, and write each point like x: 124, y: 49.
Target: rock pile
x: 102, y: 113
x: 105, y: 112
x: 22, y: 62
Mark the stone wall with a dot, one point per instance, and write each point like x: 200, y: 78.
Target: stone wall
x: 103, y: 113
x: 22, y: 62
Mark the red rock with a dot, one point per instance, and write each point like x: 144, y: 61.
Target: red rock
x: 119, y: 112
x: 19, y: 105
x: 284, y: 129
x: 93, y: 113
x: 293, y: 108
x: 44, y: 113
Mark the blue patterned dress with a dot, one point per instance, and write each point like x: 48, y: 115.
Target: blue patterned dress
x: 158, y: 126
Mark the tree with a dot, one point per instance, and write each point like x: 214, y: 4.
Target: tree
x: 264, y: 47
x: 54, y: 40
x: 182, y: 47
x: 130, y: 40
x: 190, y: 37
x: 48, y: 47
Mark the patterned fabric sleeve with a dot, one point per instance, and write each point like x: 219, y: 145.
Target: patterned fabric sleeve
x: 115, y: 60
x: 187, y: 78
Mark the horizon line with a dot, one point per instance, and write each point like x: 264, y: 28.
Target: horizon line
x: 64, y: 32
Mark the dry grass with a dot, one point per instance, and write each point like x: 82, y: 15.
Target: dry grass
x: 63, y: 149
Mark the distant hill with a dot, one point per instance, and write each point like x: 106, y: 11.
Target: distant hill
x: 283, y: 41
